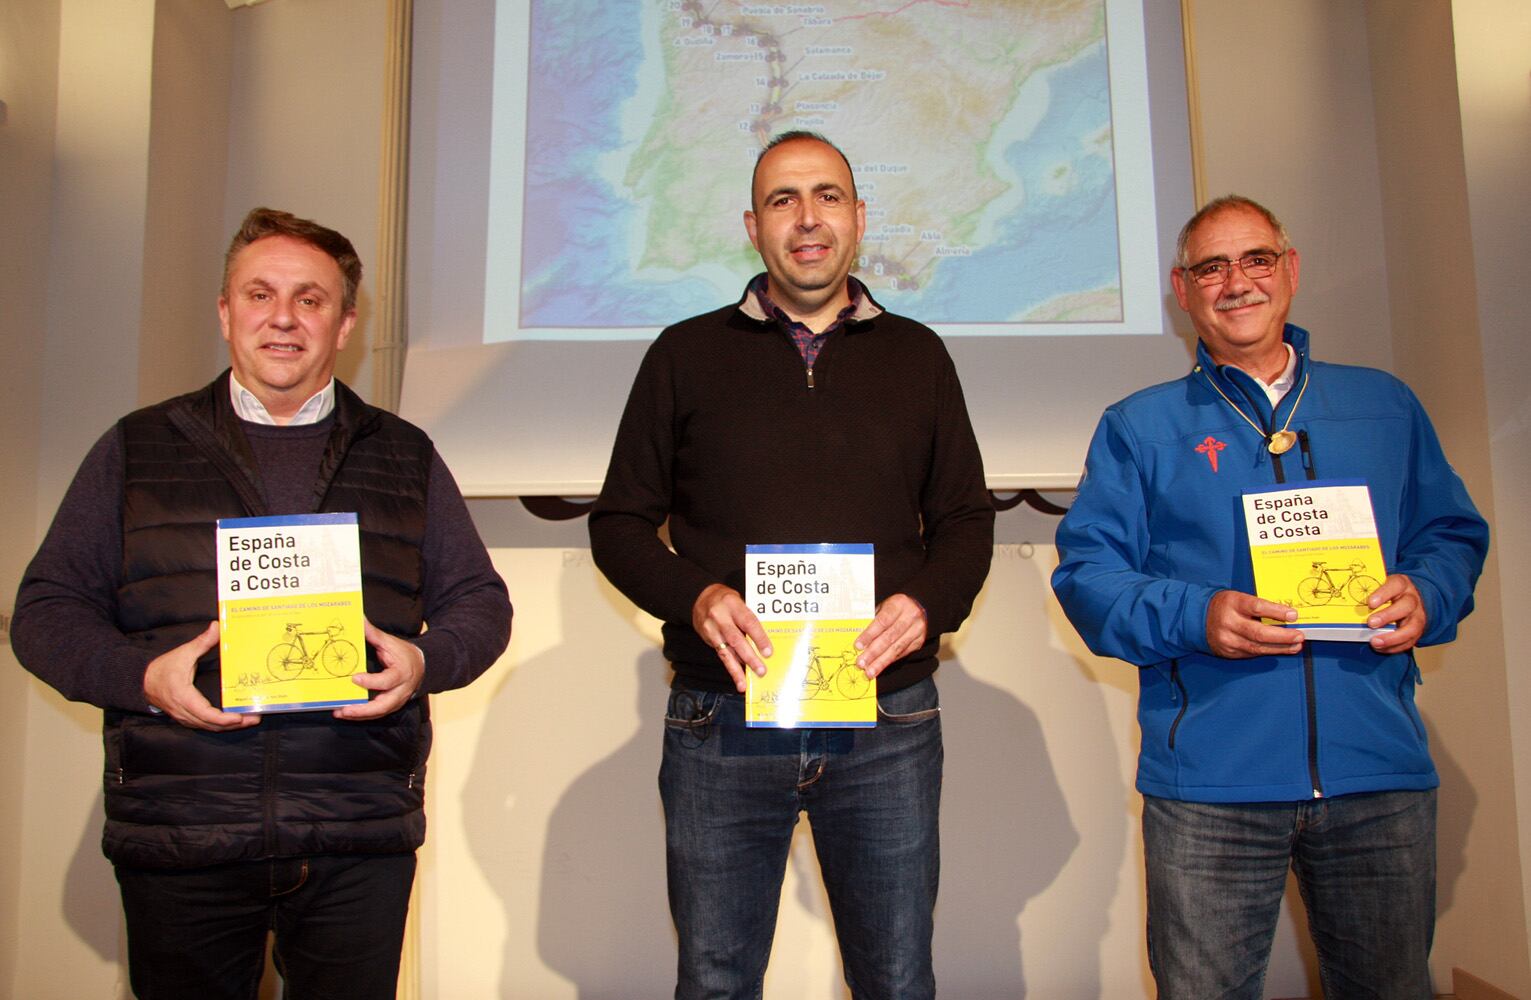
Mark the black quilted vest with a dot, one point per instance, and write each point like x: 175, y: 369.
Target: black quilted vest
x: 299, y: 783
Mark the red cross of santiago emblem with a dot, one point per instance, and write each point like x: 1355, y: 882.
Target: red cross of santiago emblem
x: 1210, y: 447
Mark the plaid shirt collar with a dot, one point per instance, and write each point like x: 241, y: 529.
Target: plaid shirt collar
x: 757, y: 305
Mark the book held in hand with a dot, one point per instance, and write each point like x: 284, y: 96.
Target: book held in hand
x: 813, y: 601
x: 1314, y: 548
x: 290, y: 612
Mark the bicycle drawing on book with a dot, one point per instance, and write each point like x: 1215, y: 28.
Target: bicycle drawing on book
x: 291, y: 656
x: 842, y: 675
x: 1322, y: 587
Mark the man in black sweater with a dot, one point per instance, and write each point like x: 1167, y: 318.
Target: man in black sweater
x: 222, y: 826
x: 803, y: 414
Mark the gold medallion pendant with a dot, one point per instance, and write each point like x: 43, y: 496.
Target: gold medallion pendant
x: 1276, y: 442
x: 1281, y: 442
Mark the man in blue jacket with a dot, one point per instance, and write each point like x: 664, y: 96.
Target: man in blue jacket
x: 1261, y: 750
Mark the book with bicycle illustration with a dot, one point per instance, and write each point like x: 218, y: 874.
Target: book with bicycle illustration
x: 813, y: 601
x: 1314, y: 548
x: 290, y: 611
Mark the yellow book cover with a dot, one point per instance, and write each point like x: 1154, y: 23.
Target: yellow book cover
x: 813, y: 601
x: 1314, y: 547
x: 290, y: 612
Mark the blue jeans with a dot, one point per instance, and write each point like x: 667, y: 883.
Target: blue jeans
x: 1216, y: 872
x: 731, y: 799
x: 200, y: 934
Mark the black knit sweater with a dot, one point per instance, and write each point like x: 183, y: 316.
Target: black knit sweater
x: 724, y: 437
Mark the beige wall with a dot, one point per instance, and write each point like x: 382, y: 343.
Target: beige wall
x: 305, y: 129
x: 184, y: 232
x: 542, y: 876
x: 1286, y: 119
x: 1433, y: 289
x: 1493, y: 64
x: 87, y: 350
x: 28, y: 86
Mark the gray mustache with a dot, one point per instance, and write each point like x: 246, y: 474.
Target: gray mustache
x: 1249, y: 298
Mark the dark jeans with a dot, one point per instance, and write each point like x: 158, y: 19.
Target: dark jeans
x: 1365, y: 865
x: 200, y: 934
x: 732, y: 796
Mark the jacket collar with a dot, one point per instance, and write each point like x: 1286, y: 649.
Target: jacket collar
x: 1242, y: 388
x: 208, y: 420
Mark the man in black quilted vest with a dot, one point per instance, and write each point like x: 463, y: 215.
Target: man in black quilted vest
x: 225, y: 826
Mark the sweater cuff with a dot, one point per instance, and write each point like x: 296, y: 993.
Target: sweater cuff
x: 122, y: 679
x: 442, y: 652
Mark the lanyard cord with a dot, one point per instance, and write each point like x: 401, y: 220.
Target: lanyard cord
x: 1276, y: 442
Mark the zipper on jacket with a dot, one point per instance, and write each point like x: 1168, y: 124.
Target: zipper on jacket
x: 1310, y: 691
x: 810, y: 376
x: 1185, y: 700
x: 1312, y: 699
x: 1270, y: 428
x: 1311, y: 469
x: 1307, y: 455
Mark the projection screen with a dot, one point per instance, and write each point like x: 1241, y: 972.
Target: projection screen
x: 579, y: 171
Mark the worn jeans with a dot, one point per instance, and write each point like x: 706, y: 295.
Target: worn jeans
x: 200, y: 934
x: 732, y: 796
x: 1365, y: 865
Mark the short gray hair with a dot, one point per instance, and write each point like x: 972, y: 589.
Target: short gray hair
x: 1217, y: 205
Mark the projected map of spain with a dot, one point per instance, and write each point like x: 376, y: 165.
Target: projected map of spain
x: 980, y: 132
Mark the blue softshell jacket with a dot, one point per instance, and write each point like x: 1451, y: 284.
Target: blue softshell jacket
x: 1158, y: 529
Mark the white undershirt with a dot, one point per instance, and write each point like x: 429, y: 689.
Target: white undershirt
x: 250, y: 408
x: 1283, y: 384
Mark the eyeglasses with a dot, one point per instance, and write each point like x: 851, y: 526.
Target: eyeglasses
x: 1259, y: 264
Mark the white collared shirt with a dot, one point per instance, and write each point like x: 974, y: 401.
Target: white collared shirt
x: 249, y: 408
x: 1283, y: 384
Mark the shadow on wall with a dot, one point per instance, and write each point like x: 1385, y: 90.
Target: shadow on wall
x: 1033, y: 831
x: 90, y: 904
x: 1456, y: 804
x: 603, y: 870
x: 1034, y: 835
x: 1028, y: 871
x: 1005, y: 837
x: 91, y: 907
x: 602, y: 920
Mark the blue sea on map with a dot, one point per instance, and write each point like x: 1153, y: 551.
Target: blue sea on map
x: 1052, y: 244
x: 578, y: 231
